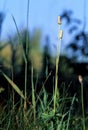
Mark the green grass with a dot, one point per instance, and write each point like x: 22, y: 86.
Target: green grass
x: 45, y: 111
x: 40, y: 114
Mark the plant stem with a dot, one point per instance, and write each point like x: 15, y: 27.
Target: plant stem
x: 26, y: 53
x: 56, y: 83
x: 13, y: 102
x: 27, y: 37
x: 33, y: 95
x: 82, y: 100
x: 56, y: 76
x: 25, y: 93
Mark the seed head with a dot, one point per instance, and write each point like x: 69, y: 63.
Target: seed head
x: 59, y: 20
x: 60, y: 34
x: 80, y: 78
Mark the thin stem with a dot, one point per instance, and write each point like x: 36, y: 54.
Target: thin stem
x: 25, y: 103
x: 33, y: 95
x: 27, y: 38
x: 82, y: 99
x: 26, y: 53
x: 12, y: 90
x: 56, y: 74
x: 56, y: 83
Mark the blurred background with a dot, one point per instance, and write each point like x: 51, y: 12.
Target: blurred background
x: 43, y: 15
x: 39, y: 21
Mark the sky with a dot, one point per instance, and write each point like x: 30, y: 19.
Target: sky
x: 42, y: 14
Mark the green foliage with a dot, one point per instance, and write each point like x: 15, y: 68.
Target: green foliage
x: 39, y: 114
x: 46, y: 118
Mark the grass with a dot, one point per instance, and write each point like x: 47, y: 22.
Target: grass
x: 45, y: 111
x: 82, y: 100
x: 40, y: 114
x: 57, y: 62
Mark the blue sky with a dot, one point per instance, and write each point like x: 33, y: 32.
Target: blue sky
x: 42, y: 14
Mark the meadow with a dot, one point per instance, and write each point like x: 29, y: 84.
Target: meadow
x: 38, y: 91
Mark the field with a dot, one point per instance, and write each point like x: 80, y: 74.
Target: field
x: 39, y: 91
x: 31, y: 94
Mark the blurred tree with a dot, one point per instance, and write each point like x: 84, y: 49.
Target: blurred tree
x: 79, y: 37
x: 76, y: 62
x: 77, y: 48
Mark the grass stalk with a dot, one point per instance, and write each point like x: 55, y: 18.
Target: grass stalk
x: 25, y: 93
x: 57, y: 62
x: 26, y: 53
x: 56, y: 75
x: 56, y: 83
x: 13, y: 99
x: 33, y: 95
x: 82, y: 101
x: 83, y: 113
x: 27, y: 37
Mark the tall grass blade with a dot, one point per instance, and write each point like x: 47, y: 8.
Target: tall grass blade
x: 26, y: 54
x: 83, y: 111
x: 27, y: 38
x: 20, y: 40
x: 33, y: 95
x: 16, y: 88
x: 69, y: 115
